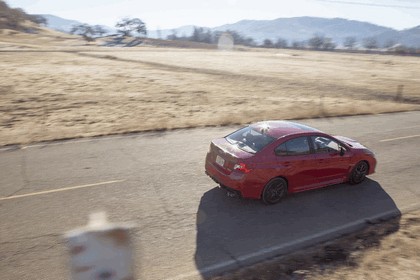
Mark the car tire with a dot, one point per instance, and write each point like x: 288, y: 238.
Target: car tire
x: 359, y: 172
x: 274, y: 191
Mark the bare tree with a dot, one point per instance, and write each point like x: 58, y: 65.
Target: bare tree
x: 38, y: 19
x: 349, y: 42
x: 388, y: 44
x: 298, y: 44
x: 267, y: 43
x: 201, y: 35
x: 281, y: 43
x: 239, y: 39
x: 173, y: 36
x: 328, y: 44
x: 129, y: 26
x: 85, y: 30
x: 370, y: 43
x: 99, y: 30
x: 316, y: 42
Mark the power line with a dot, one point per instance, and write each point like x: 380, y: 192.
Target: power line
x: 370, y: 4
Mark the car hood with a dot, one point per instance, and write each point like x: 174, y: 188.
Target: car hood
x: 352, y: 143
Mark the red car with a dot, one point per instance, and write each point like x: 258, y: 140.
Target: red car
x: 268, y: 160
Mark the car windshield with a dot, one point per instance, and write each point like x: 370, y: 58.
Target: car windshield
x: 249, y: 140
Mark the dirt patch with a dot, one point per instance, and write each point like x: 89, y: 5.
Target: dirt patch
x: 389, y: 250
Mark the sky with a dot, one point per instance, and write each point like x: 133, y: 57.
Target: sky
x: 168, y: 14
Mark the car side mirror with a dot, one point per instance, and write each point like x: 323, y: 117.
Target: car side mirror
x: 342, y: 151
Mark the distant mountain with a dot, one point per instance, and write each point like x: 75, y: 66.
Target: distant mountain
x: 65, y: 25
x: 410, y: 37
x: 303, y: 28
x: 60, y: 24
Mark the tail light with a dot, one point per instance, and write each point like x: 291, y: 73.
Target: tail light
x: 241, y: 167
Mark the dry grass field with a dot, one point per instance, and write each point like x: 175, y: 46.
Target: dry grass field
x: 55, y: 87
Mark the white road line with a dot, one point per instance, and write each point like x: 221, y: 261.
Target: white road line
x: 61, y: 190
x: 399, y: 128
x: 399, y: 138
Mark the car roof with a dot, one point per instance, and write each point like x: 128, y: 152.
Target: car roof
x: 278, y: 129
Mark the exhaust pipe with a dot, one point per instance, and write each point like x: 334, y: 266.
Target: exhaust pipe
x: 231, y: 194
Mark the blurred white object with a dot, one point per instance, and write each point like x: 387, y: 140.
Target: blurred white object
x: 226, y: 42
x: 100, y: 251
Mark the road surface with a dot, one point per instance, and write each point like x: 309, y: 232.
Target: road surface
x: 186, y: 228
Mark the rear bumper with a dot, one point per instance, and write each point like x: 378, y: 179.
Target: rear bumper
x: 228, y: 189
x: 236, y: 182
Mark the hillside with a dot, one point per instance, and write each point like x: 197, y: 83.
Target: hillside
x: 411, y: 37
x: 17, y: 19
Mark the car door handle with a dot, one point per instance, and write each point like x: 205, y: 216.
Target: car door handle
x: 286, y: 163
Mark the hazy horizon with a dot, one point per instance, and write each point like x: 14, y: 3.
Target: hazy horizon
x: 159, y: 14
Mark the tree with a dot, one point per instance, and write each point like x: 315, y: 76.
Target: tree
x: 328, y: 44
x: 99, y: 30
x: 15, y: 18
x: 349, y: 42
x: 238, y: 39
x: 128, y: 26
x: 173, y: 36
x: 199, y: 35
x: 281, y: 43
x: 298, y: 45
x: 267, y: 43
x: 85, y: 30
x: 207, y: 36
x: 319, y: 42
x: 370, y: 43
x: 316, y: 42
x: 38, y: 19
x: 248, y: 41
x: 389, y: 44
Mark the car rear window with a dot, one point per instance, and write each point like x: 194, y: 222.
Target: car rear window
x: 249, y: 140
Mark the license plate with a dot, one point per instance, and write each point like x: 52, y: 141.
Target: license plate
x: 220, y: 161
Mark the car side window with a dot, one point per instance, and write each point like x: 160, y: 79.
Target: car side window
x: 294, y: 147
x: 325, y: 145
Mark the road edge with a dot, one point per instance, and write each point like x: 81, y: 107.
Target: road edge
x: 299, y: 244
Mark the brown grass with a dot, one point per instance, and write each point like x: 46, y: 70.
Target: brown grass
x: 55, y: 86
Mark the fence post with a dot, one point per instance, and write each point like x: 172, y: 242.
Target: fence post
x: 100, y: 250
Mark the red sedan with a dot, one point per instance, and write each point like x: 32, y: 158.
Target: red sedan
x: 268, y: 160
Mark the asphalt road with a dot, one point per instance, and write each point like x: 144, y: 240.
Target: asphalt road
x: 185, y: 226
